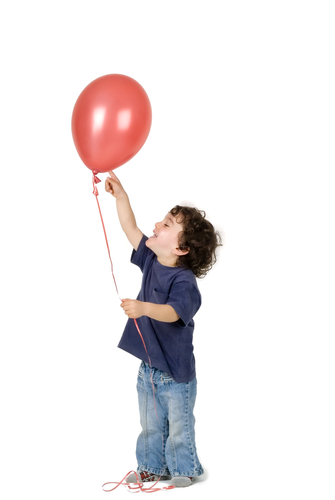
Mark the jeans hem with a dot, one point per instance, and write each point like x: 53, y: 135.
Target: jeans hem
x: 192, y: 473
x: 166, y: 472
x: 152, y: 470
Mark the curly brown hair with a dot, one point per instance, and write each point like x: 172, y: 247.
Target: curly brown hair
x: 199, y: 238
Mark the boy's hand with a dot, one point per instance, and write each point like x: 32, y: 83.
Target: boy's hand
x: 113, y: 185
x: 133, y: 308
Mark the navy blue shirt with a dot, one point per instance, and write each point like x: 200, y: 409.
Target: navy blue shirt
x: 169, y: 345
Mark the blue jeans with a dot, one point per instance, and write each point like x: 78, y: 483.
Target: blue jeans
x: 166, y: 446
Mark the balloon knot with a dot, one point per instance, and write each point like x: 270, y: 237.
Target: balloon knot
x: 95, y: 181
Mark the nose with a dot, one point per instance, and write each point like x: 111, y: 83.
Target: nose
x: 157, y: 224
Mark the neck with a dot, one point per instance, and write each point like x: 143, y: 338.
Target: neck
x: 167, y: 261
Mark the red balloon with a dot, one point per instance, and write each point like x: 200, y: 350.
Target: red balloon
x: 111, y: 121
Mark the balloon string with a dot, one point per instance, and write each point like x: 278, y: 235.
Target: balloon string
x: 95, y: 180
x: 138, y: 485
x: 145, y: 347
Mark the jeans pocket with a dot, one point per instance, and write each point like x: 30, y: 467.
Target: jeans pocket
x: 165, y: 377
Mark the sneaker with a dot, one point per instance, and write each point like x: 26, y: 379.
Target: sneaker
x: 145, y: 477
x: 181, y: 481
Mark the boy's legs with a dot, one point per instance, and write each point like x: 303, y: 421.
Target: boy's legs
x: 174, y: 453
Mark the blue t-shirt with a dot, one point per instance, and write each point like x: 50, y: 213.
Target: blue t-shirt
x: 169, y: 345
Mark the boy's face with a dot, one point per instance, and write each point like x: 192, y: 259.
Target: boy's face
x: 164, y: 241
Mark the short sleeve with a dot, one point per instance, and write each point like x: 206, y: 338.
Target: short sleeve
x: 185, y: 299
x: 139, y: 256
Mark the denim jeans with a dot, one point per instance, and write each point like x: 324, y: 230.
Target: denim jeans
x: 166, y: 445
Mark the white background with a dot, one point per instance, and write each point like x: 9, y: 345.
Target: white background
x: 243, y: 104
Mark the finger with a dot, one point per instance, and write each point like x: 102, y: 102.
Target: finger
x: 109, y: 187
x: 112, y: 175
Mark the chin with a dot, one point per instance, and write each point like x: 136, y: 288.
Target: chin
x: 148, y: 244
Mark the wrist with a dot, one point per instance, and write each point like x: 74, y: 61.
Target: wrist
x: 122, y: 196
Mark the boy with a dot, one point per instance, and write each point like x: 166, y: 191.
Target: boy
x: 181, y: 248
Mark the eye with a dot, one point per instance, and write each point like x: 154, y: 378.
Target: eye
x: 166, y: 225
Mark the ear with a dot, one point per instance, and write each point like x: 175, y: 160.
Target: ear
x: 179, y: 252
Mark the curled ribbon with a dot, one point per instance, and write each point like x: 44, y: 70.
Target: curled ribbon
x: 136, y: 486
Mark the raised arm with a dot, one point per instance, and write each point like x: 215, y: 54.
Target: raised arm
x: 124, y: 210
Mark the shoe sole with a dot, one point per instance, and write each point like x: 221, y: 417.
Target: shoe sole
x: 181, y: 482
